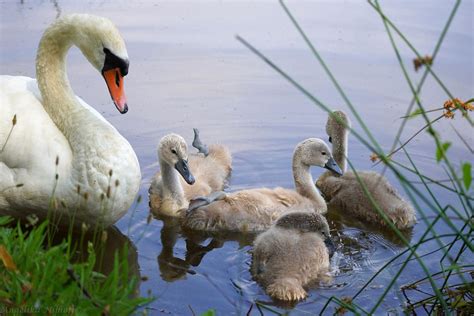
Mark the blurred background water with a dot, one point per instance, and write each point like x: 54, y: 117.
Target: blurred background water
x: 187, y: 70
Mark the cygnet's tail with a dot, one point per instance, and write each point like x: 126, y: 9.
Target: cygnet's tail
x: 286, y: 289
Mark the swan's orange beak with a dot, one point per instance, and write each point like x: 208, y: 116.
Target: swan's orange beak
x: 114, y: 80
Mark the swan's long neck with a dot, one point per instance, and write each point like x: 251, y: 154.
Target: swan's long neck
x: 77, y: 123
x: 304, y: 183
x: 339, y: 147
x: 172, y: 188
x: 59, y: 100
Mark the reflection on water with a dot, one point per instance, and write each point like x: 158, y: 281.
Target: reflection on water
x: 187, y: 70
x: 339, y: 222
x: 107, y: 244
x: 198, y: 244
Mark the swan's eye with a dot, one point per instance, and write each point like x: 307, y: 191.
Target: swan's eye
x: 174, y: 152
x: 330, y: 139
x: 323, y: 153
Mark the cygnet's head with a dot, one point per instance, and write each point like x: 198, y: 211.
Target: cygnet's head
x: 315, y: 152
x: 173, y: 151
x: 101, y: 43
x: 307, y: 222
x: 334, y: 128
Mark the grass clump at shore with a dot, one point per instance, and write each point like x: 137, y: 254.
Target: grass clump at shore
x: 37, y: 279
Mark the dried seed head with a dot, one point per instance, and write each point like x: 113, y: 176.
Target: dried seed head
x: 374, y: 157
x: 63, y: 204
x: 117, y: 183
x: 104, y: 236
x: 14, y: 120
x: 55, y: 203
x: 84, y: 227
x: 78, y: 189
x: 19, y: 185
x: 86, y: 196
x: 108, y: 192
x: 102, y: 196
x: 57, y: 176
x: 57, y: 160
x: 111, y: 172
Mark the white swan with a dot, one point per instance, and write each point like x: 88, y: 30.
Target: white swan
x: 62, y: 155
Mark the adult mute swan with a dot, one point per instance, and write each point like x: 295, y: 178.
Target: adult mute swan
x: 254, y: 210
x: 201, y: 174
x: 62, y: 156
x: 291, y: 254
x: 346, y: 193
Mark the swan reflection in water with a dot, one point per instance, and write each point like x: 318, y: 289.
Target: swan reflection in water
x: 339, y: 222
x: 107, y: 243
x: 173, y: 268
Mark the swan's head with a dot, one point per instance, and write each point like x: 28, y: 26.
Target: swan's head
x: 101, y: 43
x: 307, y: 222
x: 315, y: 152
x: 334, y: 127
x: 173, y: 150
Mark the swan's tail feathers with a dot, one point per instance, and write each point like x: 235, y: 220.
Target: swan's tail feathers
x: 198, y: 144
x: 286, y: 289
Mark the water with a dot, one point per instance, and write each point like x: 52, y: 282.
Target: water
x: 187, y: 70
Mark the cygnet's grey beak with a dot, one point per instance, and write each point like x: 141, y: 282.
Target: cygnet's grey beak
x: 330, y: 245
x: 332, y: 165
x: 183, y: 168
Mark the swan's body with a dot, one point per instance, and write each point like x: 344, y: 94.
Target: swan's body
x: 170, y: 193
x: 291, y: 254
x: 62, y: 156
x: 255, y: 210
x: 346, y: 193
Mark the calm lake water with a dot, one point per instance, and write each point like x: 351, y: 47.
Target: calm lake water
x: 187, y: 70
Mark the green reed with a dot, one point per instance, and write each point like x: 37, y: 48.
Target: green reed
x: 441, y: 299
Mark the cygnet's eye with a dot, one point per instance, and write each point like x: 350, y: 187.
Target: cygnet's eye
x: 323, y: 153
x: 330, y: 139
x: 174, y: 152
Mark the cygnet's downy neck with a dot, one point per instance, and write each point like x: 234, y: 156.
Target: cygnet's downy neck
x: 304, y: 183
x: 172, y: 188
x: 339, y: 147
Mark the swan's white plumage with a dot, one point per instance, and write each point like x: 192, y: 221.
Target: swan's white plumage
x: 64, y: 126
